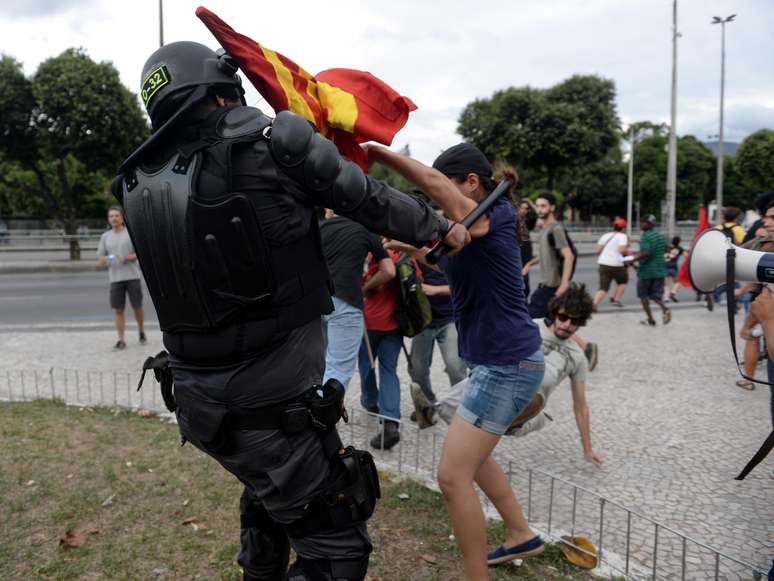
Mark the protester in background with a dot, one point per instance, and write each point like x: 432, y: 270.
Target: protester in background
x: 762, y: 202
x: 555, y: 272
x: 672, y: 257
x: 346, y: 245
x: 652, y: 270
x: 498, y: 341
x: 611, y: 248
x: 441, y: 331
x: 563, y: 359
x: 115, y: 250
x: 384, y: 341
x: 735, y: 233
x: 527, y: 215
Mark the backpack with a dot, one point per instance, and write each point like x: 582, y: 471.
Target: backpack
x: 412, y: 307
x: 559, y: 255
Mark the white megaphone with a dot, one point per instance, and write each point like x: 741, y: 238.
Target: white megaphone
x: 707, y: 262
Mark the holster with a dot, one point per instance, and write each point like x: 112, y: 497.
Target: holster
x: 163, y: 374
x: 350, y: 499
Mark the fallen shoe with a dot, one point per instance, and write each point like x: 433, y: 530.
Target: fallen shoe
x: 592, y: 354
x: 534, y: 407
x: 579, y: 551
x: 424, y: 410
x: 529, y: 548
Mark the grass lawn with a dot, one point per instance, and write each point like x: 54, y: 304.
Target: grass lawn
x: 141, y: 507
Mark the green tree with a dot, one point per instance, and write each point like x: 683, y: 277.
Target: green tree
x: 695, y: 164
x: 597, y: 188
x: 755, y: 161
x: 571, y: 124
x: 69, y: 126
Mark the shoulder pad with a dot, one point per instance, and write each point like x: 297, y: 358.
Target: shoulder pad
x: 241, y: 121
x: 290, y: 138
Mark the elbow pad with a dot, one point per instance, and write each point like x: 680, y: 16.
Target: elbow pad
x: 315, y: 163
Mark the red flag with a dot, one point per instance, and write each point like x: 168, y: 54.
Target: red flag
x: 704, y: 224
x: 349, y: 107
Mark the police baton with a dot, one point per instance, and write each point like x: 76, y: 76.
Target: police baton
x: 440, y: 248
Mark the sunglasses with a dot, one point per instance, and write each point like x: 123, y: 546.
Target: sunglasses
x: 562, y: 318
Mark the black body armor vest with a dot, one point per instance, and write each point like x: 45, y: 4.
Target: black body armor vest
x: 204, y: 249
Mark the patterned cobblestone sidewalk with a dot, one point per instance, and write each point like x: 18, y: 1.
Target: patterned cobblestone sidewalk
x: 666, y: 416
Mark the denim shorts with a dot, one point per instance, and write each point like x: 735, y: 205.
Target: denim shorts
x: 497, y: 394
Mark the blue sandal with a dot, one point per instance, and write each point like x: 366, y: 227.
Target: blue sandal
x: 529, y: 548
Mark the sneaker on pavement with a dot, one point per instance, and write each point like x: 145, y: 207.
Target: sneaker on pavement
x: 666, y: 317
x: 143, y: 338
x: 424, y: 410
x: 387, y: 437
x: 616, y: 303
x: 592, y: 354
x: 119, y: 346
x: 673, y: 298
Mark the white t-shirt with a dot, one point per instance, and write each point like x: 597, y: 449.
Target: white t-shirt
x: 611, y: 242
x: 118, y: 244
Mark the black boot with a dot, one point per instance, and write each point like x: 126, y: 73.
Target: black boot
x: 387, y: 437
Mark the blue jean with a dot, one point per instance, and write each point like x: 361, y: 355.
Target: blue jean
x: 344, y: 333
x: 497, y: 394
x: 422, y: 357
x: 385, y: 346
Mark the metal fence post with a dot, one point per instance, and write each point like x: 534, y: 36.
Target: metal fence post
x: 628, y: 538
x: 8, y: 382
x: 601, y: 527
x: 24, y: 390
x: 655, y: 552
x: 37, y: 385
x: 51, y: 376
x: 574, y: 505
x: 550, y: 504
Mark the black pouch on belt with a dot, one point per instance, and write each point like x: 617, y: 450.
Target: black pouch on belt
x: 349, y: 499
x: 326, y: 404
x: 163, y: 374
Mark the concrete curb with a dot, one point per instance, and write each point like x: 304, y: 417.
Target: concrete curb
x: 82, y: 266
x: 38, y: 267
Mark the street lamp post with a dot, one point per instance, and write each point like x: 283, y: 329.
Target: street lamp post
x: 671, y: 185
x: 719, y: 185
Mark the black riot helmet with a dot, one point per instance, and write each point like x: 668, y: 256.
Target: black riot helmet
x: 180, y: 74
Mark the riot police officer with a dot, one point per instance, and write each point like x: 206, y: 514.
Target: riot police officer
x: 220, y: 206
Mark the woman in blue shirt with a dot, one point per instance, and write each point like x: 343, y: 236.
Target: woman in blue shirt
x: 498, y: 341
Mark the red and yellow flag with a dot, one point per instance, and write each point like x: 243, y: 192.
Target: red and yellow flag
x: 349, y: 107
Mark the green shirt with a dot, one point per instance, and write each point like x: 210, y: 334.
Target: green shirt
x: 654, y: 265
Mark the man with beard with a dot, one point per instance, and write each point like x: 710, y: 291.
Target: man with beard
x: 563, y: 358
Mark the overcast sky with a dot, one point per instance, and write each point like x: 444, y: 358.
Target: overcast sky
x: 444, y: 54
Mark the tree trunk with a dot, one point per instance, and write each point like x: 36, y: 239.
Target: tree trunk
x: 75, y: 244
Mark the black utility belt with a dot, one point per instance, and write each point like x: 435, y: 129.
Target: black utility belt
x: 320, y: 407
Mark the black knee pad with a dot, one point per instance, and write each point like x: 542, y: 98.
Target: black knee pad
x: 265, y: 550
x: 328, y: 570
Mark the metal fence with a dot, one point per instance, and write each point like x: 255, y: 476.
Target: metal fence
x: 629, y: 543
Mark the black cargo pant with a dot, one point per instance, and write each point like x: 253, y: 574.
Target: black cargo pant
x: 282, y: 473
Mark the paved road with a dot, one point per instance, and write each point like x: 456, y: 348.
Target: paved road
x: 80, y: 299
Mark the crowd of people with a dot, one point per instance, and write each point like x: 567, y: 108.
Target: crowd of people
x: 268, y: 309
